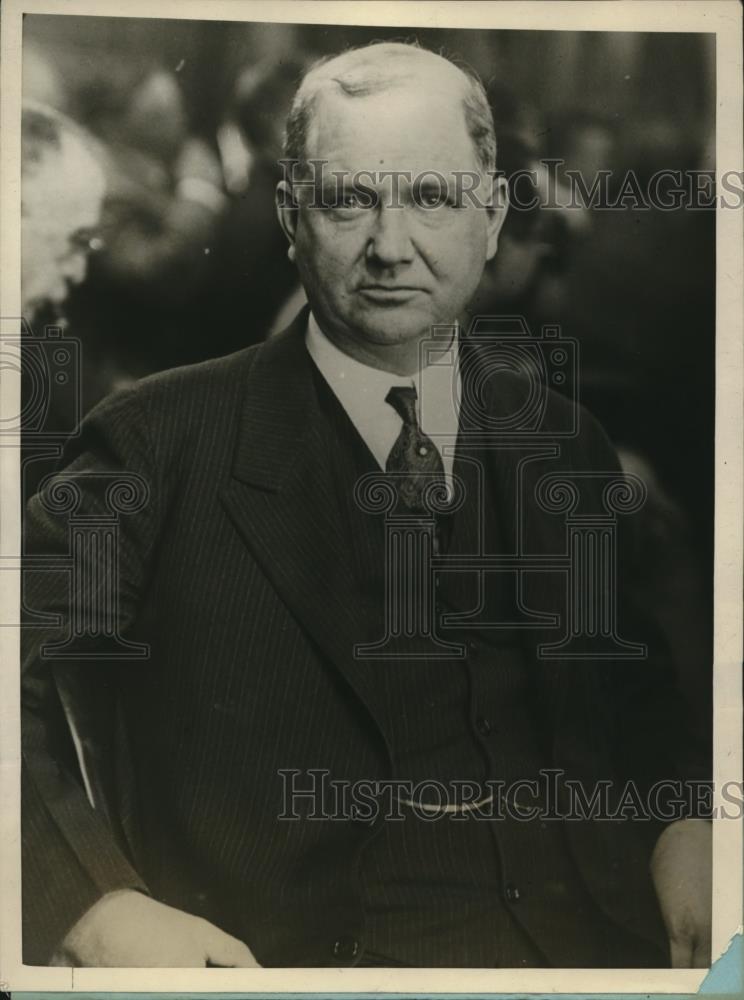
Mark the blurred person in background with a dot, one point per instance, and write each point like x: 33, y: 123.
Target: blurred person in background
x: 62, y: 191
x: 526, y: 276
x: 166, y: 194
x: 253, y: 278
x: 164, y: 202
x: 639, y: 296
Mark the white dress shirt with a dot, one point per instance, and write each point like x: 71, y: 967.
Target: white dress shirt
x: 361, y: 390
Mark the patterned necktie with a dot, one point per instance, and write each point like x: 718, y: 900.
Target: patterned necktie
x: 413, y: 454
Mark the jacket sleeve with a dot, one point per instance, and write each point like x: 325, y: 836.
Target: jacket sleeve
x: 71, y: 855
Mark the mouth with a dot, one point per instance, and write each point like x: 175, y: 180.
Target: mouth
x: 390, y: 294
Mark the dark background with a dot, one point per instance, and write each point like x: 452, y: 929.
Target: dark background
x: 636, y: 288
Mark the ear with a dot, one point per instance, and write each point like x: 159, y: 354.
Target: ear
x: 496, y: 209
x: 286, y: 211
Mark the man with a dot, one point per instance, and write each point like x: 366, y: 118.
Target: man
x: 62, y: 190
x: 61, y: 197
x: 255, y: 573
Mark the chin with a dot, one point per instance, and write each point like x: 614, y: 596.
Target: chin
x: 43, y: 311
x: 395, y: 325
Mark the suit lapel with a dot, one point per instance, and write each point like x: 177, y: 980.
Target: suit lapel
x: 282, y: 499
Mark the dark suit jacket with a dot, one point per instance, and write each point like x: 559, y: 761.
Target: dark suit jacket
x: 236, y: 574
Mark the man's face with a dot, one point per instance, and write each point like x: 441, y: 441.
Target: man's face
x: 61, y: 205
x: 378, y: 276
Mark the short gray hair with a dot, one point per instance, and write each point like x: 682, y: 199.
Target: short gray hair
x: 377, y: 67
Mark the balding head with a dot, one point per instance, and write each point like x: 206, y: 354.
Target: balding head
x: 387, y: 66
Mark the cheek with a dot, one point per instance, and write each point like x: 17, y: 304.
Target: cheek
x: 328, y: 255
x: 460, y: 255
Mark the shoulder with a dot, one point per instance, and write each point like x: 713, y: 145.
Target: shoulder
x: 193, y: 412
x: 185, y: 410
x: 180, y: 392
x: 207, y: 384
x: 519, y: 406
x: 216, y: 387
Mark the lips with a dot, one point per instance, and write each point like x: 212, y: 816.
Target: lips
x: 392, y: 288
x: 392, y: 294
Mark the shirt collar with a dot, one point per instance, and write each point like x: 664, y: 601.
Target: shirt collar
x: 361, y: 390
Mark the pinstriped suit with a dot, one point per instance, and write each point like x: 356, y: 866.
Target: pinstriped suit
x: 237, y: 576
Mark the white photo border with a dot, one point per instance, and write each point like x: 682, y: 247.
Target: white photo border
x: 721, y: 17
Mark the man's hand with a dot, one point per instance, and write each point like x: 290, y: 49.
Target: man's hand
x: 127, y: 929
x: 681, y: 868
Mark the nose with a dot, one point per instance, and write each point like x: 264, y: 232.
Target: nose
x: 390, y: 243
x: 73, y: 268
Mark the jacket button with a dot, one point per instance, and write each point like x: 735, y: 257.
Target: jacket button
x: 345, y: 948
x: 512, y: 892
x: 483, y: 725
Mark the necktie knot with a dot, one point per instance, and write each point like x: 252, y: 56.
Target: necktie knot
x: 403, y: 398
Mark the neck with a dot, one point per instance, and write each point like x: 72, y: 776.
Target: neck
x: 402, y: 359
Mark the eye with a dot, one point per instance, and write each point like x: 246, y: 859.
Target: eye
x: 352, y: 200
x: 86, y: 241
x: 430, y: 199
x: 434, y: 197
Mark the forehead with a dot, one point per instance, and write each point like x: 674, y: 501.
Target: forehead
x: 417, y: 124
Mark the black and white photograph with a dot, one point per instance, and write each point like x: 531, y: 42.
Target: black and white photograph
x: 371, y: 443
